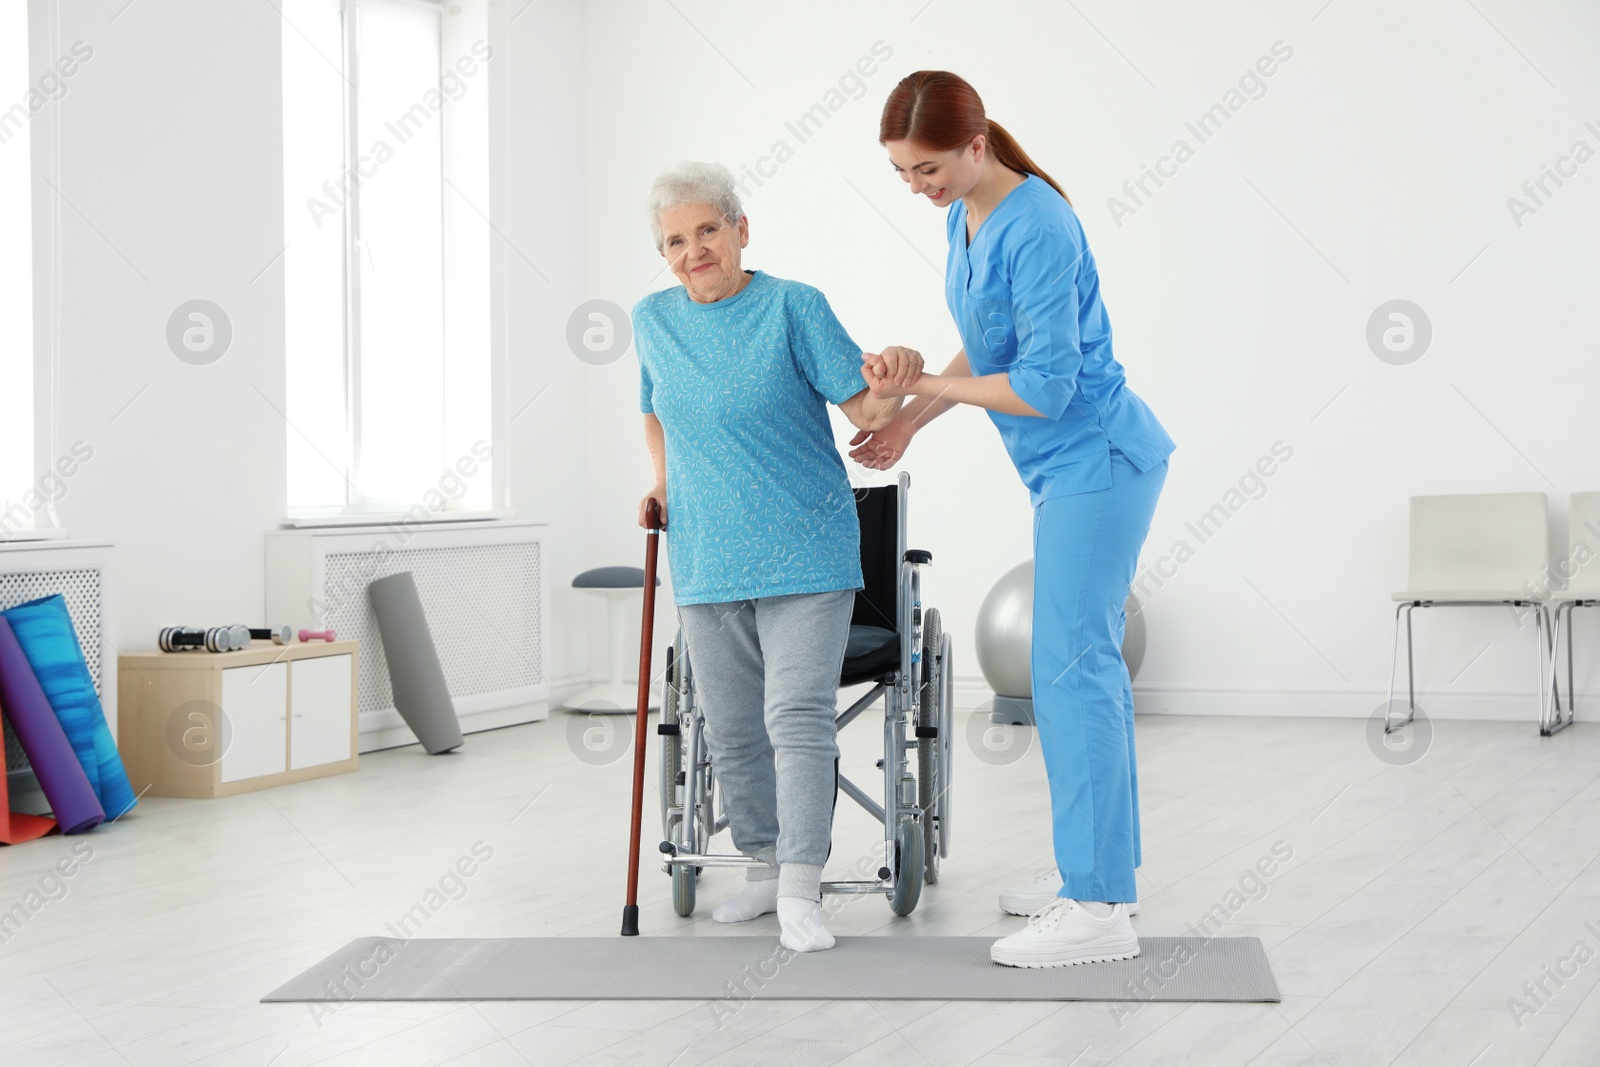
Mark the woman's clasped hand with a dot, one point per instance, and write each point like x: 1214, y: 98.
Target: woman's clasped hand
x: 892, y: 372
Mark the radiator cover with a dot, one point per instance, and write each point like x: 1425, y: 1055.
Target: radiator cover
x: 483, y: 592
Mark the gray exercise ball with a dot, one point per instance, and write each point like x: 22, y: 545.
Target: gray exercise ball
x: 1005, y: 634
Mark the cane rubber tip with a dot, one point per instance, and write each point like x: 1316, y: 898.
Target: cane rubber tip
x: 630, y: 920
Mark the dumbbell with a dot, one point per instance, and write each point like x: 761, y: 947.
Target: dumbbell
x: 213, y: 639
x: 278, y: 635
x: 316, y: 635
x: 183, y: 638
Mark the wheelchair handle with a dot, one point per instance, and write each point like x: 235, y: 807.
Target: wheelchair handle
x: 630, y: 910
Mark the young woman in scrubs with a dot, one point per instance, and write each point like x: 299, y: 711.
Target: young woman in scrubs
x: 1024, y: 291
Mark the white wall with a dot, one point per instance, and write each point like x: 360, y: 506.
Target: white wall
x: 541, y: 191
x: 1376, y: 166
x: 166, y: 149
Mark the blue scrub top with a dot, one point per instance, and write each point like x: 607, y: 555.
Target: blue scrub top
x: 1026, y: 299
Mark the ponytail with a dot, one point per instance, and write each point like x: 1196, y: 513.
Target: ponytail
x: 1010, y: 153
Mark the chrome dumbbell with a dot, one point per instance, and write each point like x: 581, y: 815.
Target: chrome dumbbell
x: 278, y: 635
x: 212, y: 639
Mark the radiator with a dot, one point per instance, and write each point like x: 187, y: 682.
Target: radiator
x: 483, y: 592
x: 78, y: 571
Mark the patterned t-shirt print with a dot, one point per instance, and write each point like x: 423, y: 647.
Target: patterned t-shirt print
x: 758, y: 503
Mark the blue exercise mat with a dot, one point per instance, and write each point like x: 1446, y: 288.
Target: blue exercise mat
x: 44, y: 630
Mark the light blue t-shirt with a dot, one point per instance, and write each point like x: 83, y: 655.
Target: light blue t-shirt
x: 1025, y: 295
x: 758, y: 503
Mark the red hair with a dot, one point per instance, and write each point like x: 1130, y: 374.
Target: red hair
x: 940, y: 110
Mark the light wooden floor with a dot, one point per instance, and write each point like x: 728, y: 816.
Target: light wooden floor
x: 1418, y: 900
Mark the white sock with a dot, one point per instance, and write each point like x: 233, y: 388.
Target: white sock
x: 1097, y: 908
x: 800, y: 923
x: 757, y: 898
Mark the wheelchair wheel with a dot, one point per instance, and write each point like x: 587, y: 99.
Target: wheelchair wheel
x: 908, y: 867
x: 947, y: 747
x: 671, y: 744
x: 674, y: 794
x: 930, y: 714
x: 684, y: 878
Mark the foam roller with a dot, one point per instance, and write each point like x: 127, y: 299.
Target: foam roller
x: 415, y: 675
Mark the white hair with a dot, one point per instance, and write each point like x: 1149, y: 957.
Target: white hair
x: 693, y: 183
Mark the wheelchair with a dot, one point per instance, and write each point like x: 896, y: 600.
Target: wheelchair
x: 904, y: 652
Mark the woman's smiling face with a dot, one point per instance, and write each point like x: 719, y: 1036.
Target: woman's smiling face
x: 702, y: 248
x: 942, y: 176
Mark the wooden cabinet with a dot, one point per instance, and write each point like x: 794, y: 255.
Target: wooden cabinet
x: 201, y: 724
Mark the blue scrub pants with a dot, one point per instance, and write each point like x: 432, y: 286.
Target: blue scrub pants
x: 1085, y: 549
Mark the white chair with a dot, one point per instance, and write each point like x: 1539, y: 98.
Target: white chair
x: 1481, y: 550
x: 1582, y: 591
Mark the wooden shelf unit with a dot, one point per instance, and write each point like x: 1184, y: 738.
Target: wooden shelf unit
x: 213, y: 724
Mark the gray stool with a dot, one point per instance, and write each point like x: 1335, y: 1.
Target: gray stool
x: 620, y: 586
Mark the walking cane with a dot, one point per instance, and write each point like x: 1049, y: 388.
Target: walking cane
x: 630, y: 910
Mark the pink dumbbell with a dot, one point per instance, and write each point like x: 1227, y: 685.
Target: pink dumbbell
x: 316, y: 635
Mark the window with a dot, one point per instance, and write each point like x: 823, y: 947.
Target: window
x: 387, y: 261
x: 20, y: 500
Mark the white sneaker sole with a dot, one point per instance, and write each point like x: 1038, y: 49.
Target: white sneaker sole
x: 1079, y: 954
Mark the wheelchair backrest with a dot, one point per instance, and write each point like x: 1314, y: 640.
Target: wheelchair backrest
x: 878, y: 509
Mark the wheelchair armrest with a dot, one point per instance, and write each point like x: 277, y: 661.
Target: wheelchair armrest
x: 918, y: 555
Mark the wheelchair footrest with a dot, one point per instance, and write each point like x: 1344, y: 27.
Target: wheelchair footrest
x: 690, y: 859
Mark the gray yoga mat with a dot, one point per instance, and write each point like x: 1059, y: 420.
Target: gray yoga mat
x: 415, y: 676
x: 744, y: 968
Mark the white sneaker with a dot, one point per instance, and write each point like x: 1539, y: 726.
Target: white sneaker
x: 1028, y: 899
x: 1062, y: 934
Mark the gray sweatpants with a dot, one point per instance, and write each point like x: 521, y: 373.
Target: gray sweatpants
x: 766, y: 674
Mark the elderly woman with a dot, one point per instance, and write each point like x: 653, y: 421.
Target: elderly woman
x: 736, y: 369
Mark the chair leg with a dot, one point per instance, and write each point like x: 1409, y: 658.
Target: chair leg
x: 1389, y: 725
x: 1572, y: 692
x: 1411, y: 668
x: 1394, y: 663
x: 1557, y: 720
x: 1553, y: 630
x: 1554, y: 721
x: 1555, y: 661
x: 1542, y: 638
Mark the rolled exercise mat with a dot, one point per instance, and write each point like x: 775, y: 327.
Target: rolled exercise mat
x: 415, y: 676
x: 44, y: 630
x: 55, y: 764
x: 16, y: 826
